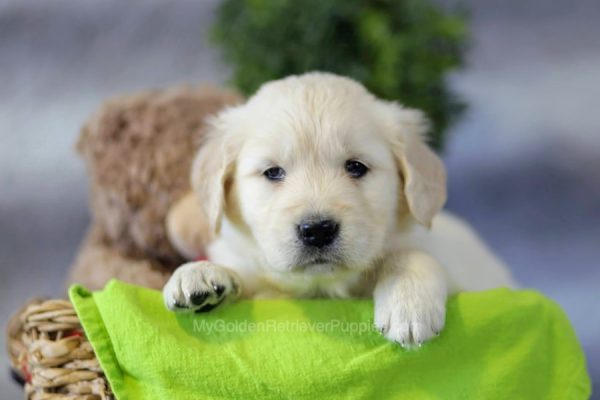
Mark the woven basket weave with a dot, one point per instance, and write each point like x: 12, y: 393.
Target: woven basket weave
x: 51, y: 354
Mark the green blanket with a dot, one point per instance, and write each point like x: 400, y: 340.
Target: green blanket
x: 498, y: 344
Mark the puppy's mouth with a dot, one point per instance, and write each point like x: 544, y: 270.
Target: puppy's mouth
x: 319, y: 264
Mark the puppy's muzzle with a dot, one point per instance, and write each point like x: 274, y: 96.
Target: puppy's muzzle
x: 318, y: 232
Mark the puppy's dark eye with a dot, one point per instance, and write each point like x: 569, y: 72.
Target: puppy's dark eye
x: 274, y: 174
x: 356, y: 169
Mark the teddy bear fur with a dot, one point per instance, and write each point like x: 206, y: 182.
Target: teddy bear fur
x: 138, y: 151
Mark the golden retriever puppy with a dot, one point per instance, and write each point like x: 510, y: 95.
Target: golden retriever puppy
x: 315, y: 188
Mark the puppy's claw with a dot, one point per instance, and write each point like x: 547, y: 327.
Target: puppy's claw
x: 383, y: 329
x: 178, y: 305
x: 207, y: 307
x: 219, y: 289
x: 198, y: 298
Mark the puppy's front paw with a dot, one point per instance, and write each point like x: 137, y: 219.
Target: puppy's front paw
x: 411, y: 316
x: 199, y: 286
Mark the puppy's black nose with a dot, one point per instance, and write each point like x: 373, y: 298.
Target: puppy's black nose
x: 318, y: 233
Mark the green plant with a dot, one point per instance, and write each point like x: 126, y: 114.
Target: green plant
x: 399, y: 49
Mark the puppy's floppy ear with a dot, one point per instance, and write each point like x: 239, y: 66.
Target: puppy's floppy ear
x: 423, y: 172
x: 212, y: 171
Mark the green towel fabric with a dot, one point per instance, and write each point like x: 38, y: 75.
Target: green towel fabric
x: 497, y: 344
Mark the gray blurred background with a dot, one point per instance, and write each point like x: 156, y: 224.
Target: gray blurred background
x: 524, y: 162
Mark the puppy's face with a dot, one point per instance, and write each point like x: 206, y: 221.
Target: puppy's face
x: 311, y: 170
x: 316, y: 186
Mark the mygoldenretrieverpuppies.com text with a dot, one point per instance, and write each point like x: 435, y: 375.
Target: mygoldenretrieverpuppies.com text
x: 275, y: 326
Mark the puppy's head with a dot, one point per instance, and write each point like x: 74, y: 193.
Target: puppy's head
x: 318, y: 173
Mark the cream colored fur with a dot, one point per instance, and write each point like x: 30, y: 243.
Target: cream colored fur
x: 310, y: 125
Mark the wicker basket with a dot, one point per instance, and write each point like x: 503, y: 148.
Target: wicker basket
x: 50, y: 353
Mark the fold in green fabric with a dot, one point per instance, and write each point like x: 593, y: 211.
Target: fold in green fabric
x: 497, y: 344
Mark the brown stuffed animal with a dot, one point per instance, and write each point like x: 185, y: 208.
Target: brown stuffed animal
x: 138, y: 152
